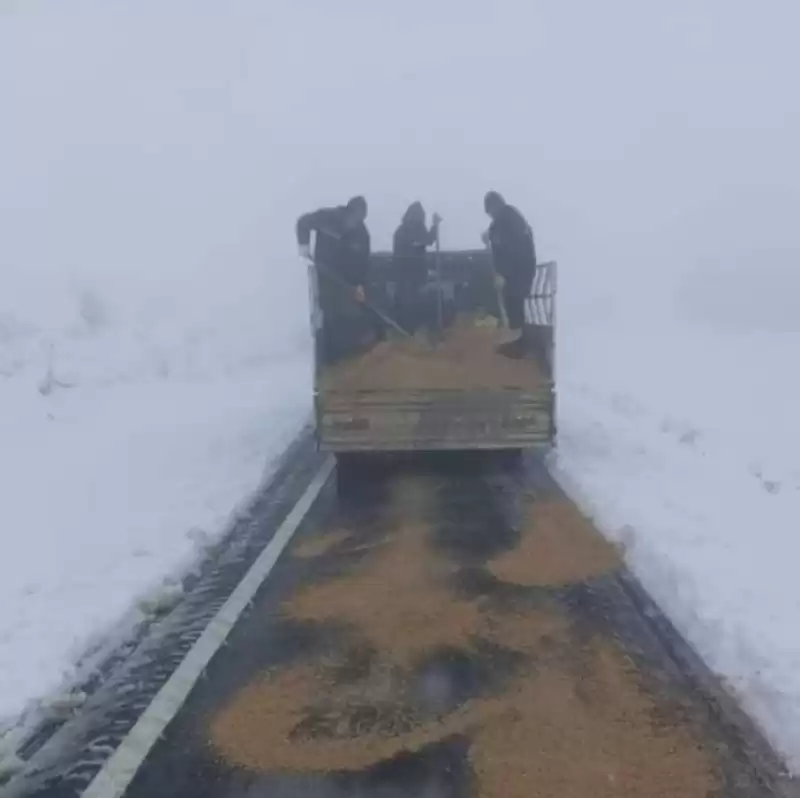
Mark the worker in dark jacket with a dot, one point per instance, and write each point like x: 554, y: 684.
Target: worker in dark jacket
x: 341, y: 255
x: 514, y: 253
x: 342, y: 243
x: 410, y: 266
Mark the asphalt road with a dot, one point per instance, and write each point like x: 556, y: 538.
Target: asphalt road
x: 450, y: 627
x: 438, y: 627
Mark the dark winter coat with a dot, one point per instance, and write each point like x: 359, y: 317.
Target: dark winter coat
x: 411, y: 241
x: 512, y: 243
x: 344, y: 251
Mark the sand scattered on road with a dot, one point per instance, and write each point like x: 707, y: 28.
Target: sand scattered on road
x: 321, y: 544
x: 575, y: 720
x: 558, y: 546
x: 583, y: 726
x: 270, y: 726
x: 578, y: 724
x: 398, y: 599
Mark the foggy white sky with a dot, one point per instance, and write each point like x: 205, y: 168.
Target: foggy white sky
x: 169, y: 146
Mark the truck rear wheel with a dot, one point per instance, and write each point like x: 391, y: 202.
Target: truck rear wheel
x: 350, y: 471
x: 510, y: 459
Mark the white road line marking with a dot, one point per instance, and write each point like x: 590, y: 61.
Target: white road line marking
x: 122, y: 766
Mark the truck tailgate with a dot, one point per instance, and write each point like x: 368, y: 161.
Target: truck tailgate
x: 434, y: 420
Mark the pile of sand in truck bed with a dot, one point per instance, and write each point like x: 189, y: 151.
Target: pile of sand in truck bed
x: 465, y: 360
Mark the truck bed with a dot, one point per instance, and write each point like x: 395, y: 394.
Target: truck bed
x: 452, y: 390
x: 465, y: 360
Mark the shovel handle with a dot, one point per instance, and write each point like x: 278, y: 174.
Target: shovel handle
x: 379, y: 313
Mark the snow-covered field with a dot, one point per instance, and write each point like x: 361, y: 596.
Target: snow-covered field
x: 154, y: 355
x: 153, y: 350
x: 682, y: 446
x: 124, y: 453
x: 108, y: 489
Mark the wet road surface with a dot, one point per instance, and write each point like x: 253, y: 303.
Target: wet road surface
x: 450, y: 627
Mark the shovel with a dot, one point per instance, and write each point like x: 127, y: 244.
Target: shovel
x: 501, y: 303
x: 439, y: 292
x: 498, y: 292
x: 331, y: 275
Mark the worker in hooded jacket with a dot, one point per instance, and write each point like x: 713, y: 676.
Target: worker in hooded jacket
x: 411, y: 241
x: 510, y: 238
x: 341, y: 256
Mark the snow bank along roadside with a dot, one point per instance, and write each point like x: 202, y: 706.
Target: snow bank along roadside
x: 111, y: 490
x: 682, y: 446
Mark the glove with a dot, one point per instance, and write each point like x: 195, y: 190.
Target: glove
x: 436, y: 220
x: 485, y: 238
x: 499, y: 281
x: 359, y: 293
x: 304, y: 250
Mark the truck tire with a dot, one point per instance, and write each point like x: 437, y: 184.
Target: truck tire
x: 350, y: 471
x: 510, y: 459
